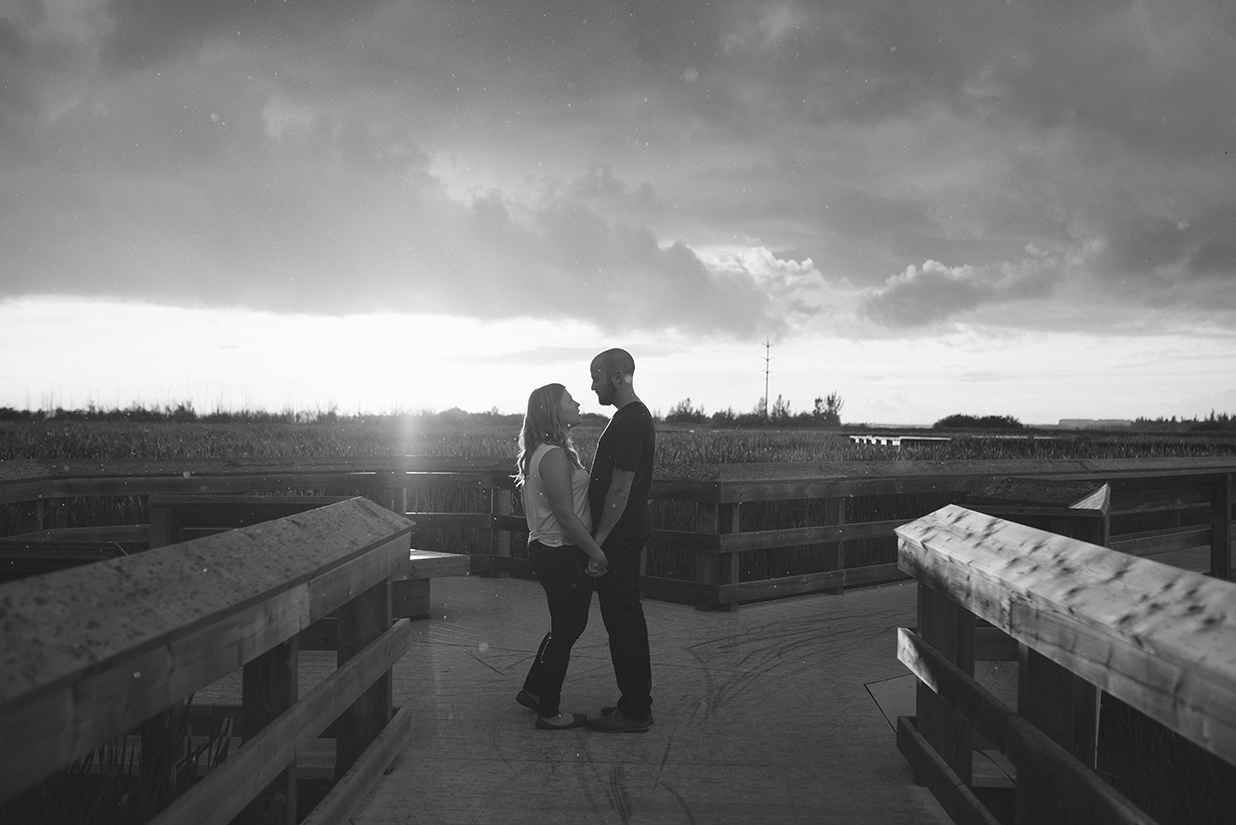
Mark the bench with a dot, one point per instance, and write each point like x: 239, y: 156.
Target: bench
x: 177, y: 518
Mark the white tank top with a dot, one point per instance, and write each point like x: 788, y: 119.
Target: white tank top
x: 543, y: 526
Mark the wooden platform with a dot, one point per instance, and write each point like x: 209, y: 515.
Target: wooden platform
x: 768, y: 715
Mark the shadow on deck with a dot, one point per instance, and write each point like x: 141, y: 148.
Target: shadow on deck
x: 771, y: 714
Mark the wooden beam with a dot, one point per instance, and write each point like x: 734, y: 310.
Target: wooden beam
x: 958, y: 801
x: 351, y: 788
x: 1161, y: 639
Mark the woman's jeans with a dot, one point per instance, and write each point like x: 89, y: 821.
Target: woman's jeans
x: 568, y: 589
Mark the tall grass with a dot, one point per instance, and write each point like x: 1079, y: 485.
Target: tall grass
x: 128, y: 780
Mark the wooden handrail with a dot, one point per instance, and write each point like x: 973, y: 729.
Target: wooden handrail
x: 717, y: 492
x: 90, y: 652
x: 1089, y: 623
x: 1161, y: 639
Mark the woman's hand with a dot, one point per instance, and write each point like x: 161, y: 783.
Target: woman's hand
x: 596, y: 568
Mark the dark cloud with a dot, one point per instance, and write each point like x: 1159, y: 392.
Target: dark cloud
x: 17, y: 91
x: 1159, y: 256
x: 325, y: 156
x: 933, y: 293
x: 143, y: 32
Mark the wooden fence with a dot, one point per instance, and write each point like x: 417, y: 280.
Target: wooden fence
x: 1097, y: 633
x: 89, y: 653
x: 711, y: 521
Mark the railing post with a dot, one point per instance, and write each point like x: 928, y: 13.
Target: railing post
x: 269, y: 686
x: 30, y: 516
x: 360, y: 622
x: 501, y: 503
x: 1221, y: 528
x: 834, y: 513
x: 714, y: 568
x: 166, y: 526
x: 948, y: 628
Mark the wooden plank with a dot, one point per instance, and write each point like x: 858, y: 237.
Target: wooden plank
x: 958, y: 801
x: 949, y: 628
x: 685, y: 540
x: 1161, y: 541
x: 361, y: 621
x: 1161, y: 639
x: 821, y: 534
x: 90, y: 652
x: 428, y: 564
x: 223, y: 793
x: 269, y: 686
x: 351, y: 788
x: 434, y: 521
x: 807, y: 583
x: 991, y: 644
x: 1221, y: 529
x: 122, y: 534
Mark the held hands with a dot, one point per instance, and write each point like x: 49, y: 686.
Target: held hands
x: 595, y: 568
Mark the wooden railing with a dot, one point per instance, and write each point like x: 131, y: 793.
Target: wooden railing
x: 709, y: 518
x: 1097, y: 632
x: 89, y: 653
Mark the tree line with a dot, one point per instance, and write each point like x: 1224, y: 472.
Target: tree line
x: 825, y: 412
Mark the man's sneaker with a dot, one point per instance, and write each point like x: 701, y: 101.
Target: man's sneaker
x: 616, y: 722
x: 528, y: 700
x: 606, y: 711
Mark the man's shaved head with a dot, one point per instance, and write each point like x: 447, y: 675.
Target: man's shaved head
x: 612, y: 361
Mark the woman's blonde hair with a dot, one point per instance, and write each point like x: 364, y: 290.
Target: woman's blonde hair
x: 542, y: 425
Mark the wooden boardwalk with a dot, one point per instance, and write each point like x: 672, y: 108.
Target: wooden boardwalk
x: 768, y: 715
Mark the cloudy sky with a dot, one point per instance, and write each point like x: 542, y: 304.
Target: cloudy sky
x: 1013, y: 208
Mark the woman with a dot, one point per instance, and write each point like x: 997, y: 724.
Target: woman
x: 554, y: 486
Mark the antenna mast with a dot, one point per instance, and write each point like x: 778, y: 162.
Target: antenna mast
x: 766, y: 347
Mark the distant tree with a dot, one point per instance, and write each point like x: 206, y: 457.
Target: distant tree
x: 684, y: 413
x: 970, y: 422
x: 828, y: 410
x: 780, y: 411
x: 723, y: 417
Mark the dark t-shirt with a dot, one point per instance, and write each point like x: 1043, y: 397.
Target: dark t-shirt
x: 628, y: 443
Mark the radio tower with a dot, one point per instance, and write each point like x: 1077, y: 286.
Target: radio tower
x: 766, y: 347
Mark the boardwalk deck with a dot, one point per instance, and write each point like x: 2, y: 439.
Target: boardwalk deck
x: 764, y: 716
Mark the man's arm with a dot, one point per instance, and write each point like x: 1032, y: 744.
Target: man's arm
x: 615, y: 503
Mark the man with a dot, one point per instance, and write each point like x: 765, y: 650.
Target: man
x: 622, y: 521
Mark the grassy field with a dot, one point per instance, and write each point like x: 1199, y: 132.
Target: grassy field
x: 676, y: 446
